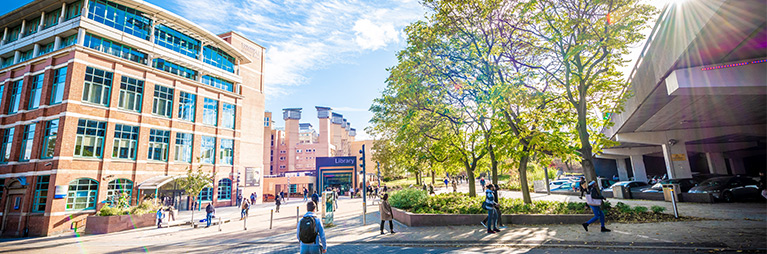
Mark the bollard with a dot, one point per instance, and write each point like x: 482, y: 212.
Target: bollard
x: 364, y: 210
x: 271, y: 217
x: 296, y: 215
x: 245, y: 222
x: 219, y: 223
x: 673, y: 203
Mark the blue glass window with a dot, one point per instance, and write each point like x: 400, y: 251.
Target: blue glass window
x: 45, y: 49
x: 217, y: 57
x: 31, y: 26
x: 228, y: 114
x: 120, y: 17
x: 59, y: 81
x: 7, y: 144
x: 210, y: 112
x: 51, y: 18
x: 186, y: 106
x: 35, y: 92
x: 218, y: 83
x: 97, y: 85
x: 184, y: 147
x: 82, y: 194
x: 89, y: 141
x: 176, y: 41
x: 172, y: 68
x: 69, y: 41
x: 49, y: 141
x: 15, y: 99
x: 73, y: 10
x: 26, y: 142
x: 113, y: 48
x: 125, y: 142
x: 159, y: 140
x: 224, y: 189
x: 41, y: 193
x: 13, y: 34
x: 208, y: 150
x: 227, y: 151
x: 26, y: 55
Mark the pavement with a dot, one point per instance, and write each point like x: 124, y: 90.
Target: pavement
x: 742, y: 228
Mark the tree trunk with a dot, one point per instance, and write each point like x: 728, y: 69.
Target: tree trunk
x: 493, y: 166
x: 587, y: 159
x: 523, y: 175
x: 418, y: 178
x: 470, y: 174
x: 192, y: 212
x: 432, y: 177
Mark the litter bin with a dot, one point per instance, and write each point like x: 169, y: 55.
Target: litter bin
x: 621, y: 192
x: 667, y: 191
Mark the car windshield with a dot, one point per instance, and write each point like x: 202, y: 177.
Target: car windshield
x: 713, y: 182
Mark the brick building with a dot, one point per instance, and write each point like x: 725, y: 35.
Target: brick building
x: 100, y: 98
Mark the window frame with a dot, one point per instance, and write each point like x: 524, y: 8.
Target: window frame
x: 158, y: 140
x: 50, y: 134
x: 90, y: 191
x: 226, y: 151
x: 6, y: 144
x: 210, y: 111
x: 184, y: 144
x: 228, y: 119
x: 207, y: 150
x: 92, y: 75
x: 27, y: 141
x: 131, y: 95
x: 98, y: 139
x: 129, y: 134
x: 39, y: 199
x: 224, y: 189
x: 187, y: 106
x: 58, y: 85
x: 163, y: 95
x: 35, y: 91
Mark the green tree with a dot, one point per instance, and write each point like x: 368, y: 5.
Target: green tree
x: 194, y: 182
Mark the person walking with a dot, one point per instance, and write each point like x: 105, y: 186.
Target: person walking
x: 171, y: 214
x: 253, y: 198
x: 239, y: 198
x: 160, y: 216
x: 316, y: 198
x: 482, y: 183
x: 581, y: 186
x: 277, y: 204
x: 210, y: 211
x: 455, y: 187
x: 446, y: 182
x: 306, y: 193
x: 494, y: 189
x: 245, y: 207
x: 311, y: 233
x: 386, y: 214
x: 594, y: 200
x: 490, y: 205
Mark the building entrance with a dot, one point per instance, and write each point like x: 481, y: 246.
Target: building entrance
x: 336, y: 172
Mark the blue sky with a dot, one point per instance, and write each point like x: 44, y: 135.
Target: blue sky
x: 319, y: 53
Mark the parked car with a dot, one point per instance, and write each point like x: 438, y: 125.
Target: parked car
x: 557, y: 183
x: 728, y: 188
x: 567, y: 186
x: 634, y: 186
x: 685, y: 184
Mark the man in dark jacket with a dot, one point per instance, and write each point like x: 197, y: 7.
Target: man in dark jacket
x: 209, y: 210
x: 490, y: 205
x: 494, y: 189
x: 316, y: 198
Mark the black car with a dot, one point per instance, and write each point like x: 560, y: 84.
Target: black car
x: 685, y: 184
x: 728, y: 188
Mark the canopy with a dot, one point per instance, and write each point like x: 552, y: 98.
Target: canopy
x: 157, y: 182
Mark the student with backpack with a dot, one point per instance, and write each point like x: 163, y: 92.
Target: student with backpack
x: 310, y: 233
x: 160, y: 215
x: 245, y: 207
x: 277, y: 203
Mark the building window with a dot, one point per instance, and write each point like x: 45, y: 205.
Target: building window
x: 131, y: 91
x: 210, y: 112
x: 26, y: 55
x: 49, y: 141
x: 13, y: 34
x: 68, y: 41
x: 159, y: 140
x: 120, y: 17
x: 218, y: 83
x: 117, y: 187
x: 225, y: 189
x: 7, y: 144
x: 45, y: 49
x: 184, y: 147
x: 125, y: 142
x: 173, y: 68
x: 217, y: 57
x: 208, y: 150
x: 73, y: 10
x: 26, y: 142
x: 176, y: 41
x: 227, y: 151
x: 162, y: 104
x: 115, y: 49
x: 31, y: 26
x: 15, y: 99
x: 41, y: 194
x: 186, y: 105
x: 89, y: 141
x: 282, y: 158
x: 35, y: 91
x: 59, y: 81
x: 97, y: 85
x: 51, y: 18
x: 82, y: 194
x: 206, y: 194
x: 228, y: 114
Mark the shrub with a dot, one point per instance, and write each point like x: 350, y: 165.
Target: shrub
x: 408, y: 198
x: 657, y: 209
x: 145, y: 207
x: 640, y: 209
x: 110, y: 211
x: 623, y: 208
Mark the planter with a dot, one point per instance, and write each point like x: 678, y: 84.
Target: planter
x: 426, y: 220
x: 109, y: 224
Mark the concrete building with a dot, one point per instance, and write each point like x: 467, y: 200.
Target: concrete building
x: 103, y: 98
x: 698, y: 100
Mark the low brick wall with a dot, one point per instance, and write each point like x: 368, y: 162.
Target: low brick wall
x: 426, y: 220
x: 647, y: 195
x: 697, y: 197
x: 109, y: 224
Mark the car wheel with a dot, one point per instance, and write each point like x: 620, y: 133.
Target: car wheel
x: 727, y: 197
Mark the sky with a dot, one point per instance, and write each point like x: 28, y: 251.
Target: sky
x: 331, y: 53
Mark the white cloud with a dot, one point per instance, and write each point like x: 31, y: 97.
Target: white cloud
x: 372, y: 36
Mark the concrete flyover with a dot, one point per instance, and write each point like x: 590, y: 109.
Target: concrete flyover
x: 697, y: 98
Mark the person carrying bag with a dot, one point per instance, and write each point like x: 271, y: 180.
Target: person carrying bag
x: 594, y: 200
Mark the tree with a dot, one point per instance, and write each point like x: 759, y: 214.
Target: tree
x: 194, y: 182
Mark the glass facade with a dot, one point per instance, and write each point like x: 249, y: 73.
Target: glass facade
x: 7, y: 144
x: 176, y: 41
x: 97, y: 85
x: 117, y: 187
x: 184, y: 147
x: 82, y: 194
x: 162, y: 104
x: 41, y: 194
x: 186, y: 106
x: 210, y: 112
x: 131, y: 92
x: 89, y: 141
x: 159, y: 141
x: 120, y: 17
x: 35, y: 92
x: 227, y: 115
x: 218, y: 83
x: 49, y: 140
x: 172, y: 68
x: 115, y: 49
x: 25, y: 153
x: 227, y: 151
x: 57, y: 88
x: 208, y: 150
x: 69, y: 41
x: 224, y: 189
x: 15, y: 97
x: 217, y: 57
x: 125, y: 142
